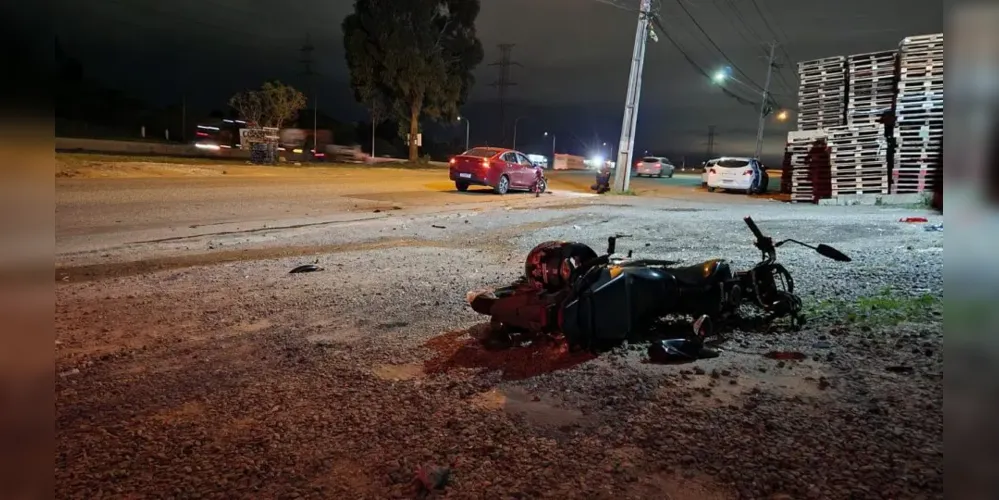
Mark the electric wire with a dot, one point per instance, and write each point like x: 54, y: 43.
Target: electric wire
x: 735, y: 66
x: 782, y: 40
x: 658, y: 23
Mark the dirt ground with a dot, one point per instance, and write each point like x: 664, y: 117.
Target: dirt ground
x: 190, y: 364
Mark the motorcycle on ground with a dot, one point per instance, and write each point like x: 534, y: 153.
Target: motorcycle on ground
x: 597, y: 301
x: 540, y: 181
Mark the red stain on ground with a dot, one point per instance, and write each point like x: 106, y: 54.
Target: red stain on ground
x: 456, y: 350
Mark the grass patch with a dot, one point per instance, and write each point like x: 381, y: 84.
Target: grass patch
x: 627, y: 192
x: 886, y: 308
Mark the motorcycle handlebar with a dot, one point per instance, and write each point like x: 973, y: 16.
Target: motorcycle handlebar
x: 752, y: 227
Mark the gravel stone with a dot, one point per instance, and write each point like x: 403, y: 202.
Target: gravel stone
x: 235, y: 379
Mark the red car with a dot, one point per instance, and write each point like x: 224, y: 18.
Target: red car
x: 499, y: 168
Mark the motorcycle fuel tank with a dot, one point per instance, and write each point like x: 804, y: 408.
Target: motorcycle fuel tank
x: 618, y: 302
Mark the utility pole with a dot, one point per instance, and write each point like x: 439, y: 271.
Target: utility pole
x: 311, y: 76
x: 622, y: 176
x: 711, y: 142
x: 515, y: 130
x: 504, y: 83
x: 766, y: 101
x: 183, y: 118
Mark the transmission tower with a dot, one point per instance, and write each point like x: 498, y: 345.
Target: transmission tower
x: 711, y: 142
x: 503, y: 83
x: 311, y: 75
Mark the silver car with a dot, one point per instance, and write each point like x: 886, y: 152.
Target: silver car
x: 654, y: 166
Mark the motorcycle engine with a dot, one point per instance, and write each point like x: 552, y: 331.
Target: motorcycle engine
x: 550, y: 265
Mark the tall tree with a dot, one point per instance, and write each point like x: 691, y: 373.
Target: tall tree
x: 412, y: 58
x: 249, y: 106
x: 271, y: 106
x: 281, y: 103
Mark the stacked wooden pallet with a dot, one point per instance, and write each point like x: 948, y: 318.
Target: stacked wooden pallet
x: 859, y: 157
x: 871, y: 86
x: 809, y: 166
x: 919, y: 114
x: 786, y: 169
x: 822, y: 93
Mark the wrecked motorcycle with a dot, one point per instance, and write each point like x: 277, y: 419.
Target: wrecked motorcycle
x: 596, y: 301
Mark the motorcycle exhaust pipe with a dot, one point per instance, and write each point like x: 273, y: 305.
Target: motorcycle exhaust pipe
x: 481, y: 301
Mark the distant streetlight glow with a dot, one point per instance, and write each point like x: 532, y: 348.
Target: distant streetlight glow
x: 782, y: 115
x: 721, y: 75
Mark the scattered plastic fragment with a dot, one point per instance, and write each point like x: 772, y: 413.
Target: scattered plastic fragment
x: 933, y: 227
x: 305, y: 268
x: 913, y: 219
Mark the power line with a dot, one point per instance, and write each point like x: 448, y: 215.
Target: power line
x: 783, y: 40
x: 658, y: 22
x: 766, y: 22
x: 715, y: 45
x: 737, y: 26
x: 614, y: 3
x: 758, y: 40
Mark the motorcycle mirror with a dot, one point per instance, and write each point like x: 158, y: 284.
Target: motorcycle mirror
x: 832, y: 253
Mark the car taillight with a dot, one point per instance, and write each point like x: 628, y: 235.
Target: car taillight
x: 712, y: 171
x: 485, y: 163
x: 452, y: 161
x: 748, y: 172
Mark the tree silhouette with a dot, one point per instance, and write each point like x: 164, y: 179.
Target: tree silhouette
x: 412, y: 58
x: 271, y: 106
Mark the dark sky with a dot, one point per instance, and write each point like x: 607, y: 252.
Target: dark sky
x: 574, y: 54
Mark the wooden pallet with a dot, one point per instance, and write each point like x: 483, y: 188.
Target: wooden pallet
x: 807, y: 176
x: 821, y: 63
x: 821, y: 110
x: 928, y: 38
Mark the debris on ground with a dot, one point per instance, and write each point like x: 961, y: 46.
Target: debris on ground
x: 933, y: 227
x: 305, y: 268
x: 678, y: 350
x: 913, y: 219
x: 785, y: 355
x: 431, y: 478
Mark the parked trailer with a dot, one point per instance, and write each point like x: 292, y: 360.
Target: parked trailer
x: 569, y: 162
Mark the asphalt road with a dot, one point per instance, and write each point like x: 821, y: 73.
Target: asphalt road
x: 111, y: 208
x: 114, y: 208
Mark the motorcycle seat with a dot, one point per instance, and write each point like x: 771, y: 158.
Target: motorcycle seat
x: 705, y: 273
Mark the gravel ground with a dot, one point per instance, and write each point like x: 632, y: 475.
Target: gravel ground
x: 236, y: 379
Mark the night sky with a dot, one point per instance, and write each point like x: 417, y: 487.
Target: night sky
x: 574, y: 55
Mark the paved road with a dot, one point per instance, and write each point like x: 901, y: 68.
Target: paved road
x: 99, y: 211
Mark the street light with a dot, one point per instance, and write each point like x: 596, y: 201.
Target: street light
x: 515, y: 131
x: 721, y: 75
x: 467, y: 125
x: 782, y: 115
x: 553, y: 147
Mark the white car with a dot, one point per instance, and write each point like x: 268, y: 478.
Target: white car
x: 654, y: 166
x: 735, y: 174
